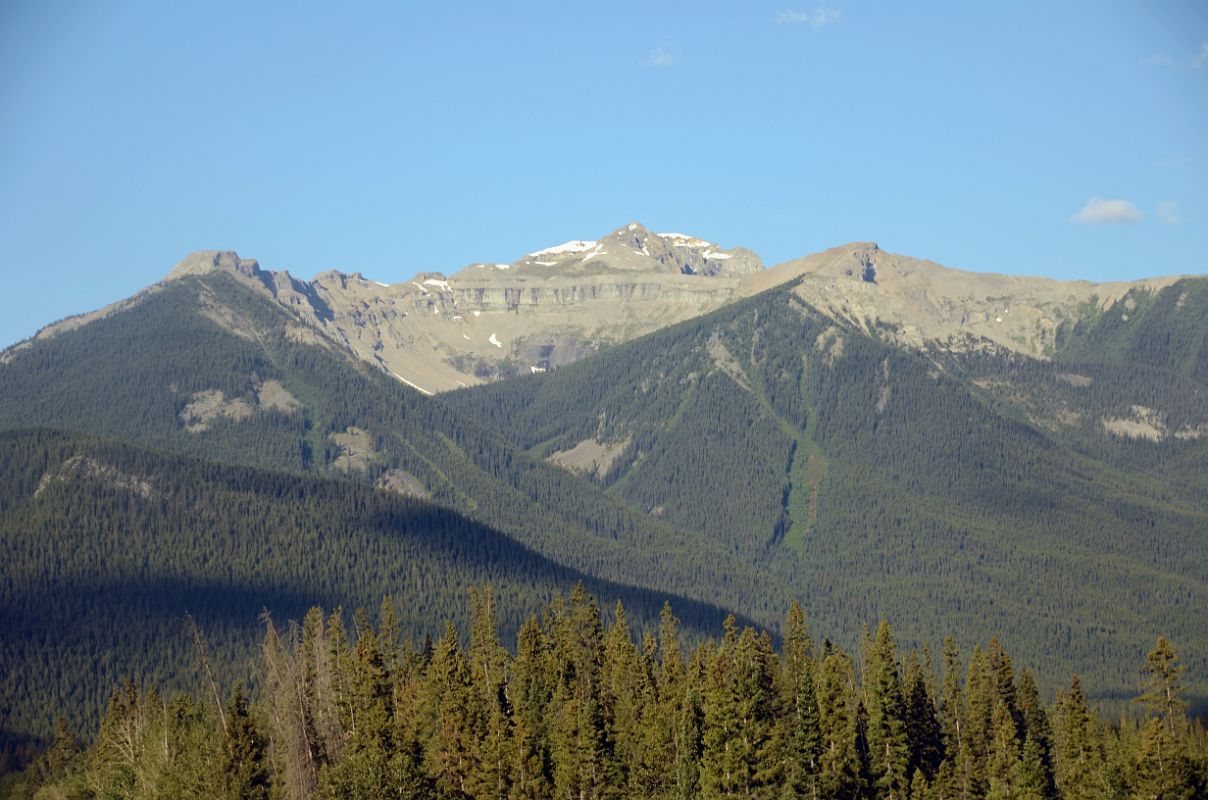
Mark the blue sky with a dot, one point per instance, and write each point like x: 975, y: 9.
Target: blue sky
x: 1064, y: 139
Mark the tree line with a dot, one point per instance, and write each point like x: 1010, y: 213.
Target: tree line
x: 582, y: 709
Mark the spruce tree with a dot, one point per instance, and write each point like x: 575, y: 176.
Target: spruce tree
x: 493, y: 736
x: 799, y: 732
x: 922, y: 723
x: 1162, y: 771
x: 529, y: 696
x: 1162, y: 684
x: 244, y: 765
x: 1003, y: 764
x: 291, y: 733
x: 739, y: 756
x: 982, y: 697
x: 447, y: 708
x: 1038, y: 738
x: 838, y: 718
x: 319, y: 695
x: 1080, y: 762
x: 689, y: 746
x: 888, y: 748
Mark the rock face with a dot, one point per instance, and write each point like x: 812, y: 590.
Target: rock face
x: 548, y: 308
x: 921, y: 304
x: 557, y: 305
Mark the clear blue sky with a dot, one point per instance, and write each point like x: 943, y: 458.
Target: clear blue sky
x: 400, y: 137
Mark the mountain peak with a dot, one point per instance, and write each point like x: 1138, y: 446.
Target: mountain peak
x: 205, y: 261
x: 923, y: 304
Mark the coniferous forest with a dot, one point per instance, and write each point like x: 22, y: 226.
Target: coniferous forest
x: 763, y: 453
x: 558, y: 401
x: 583, y: 709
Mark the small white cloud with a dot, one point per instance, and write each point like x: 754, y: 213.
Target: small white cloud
x: 1168, y: 212
x: 1201, y: 60
x: 1159, y: 60
x: 660, y: 56
x: 1098, y: 211
x: 818, y: 18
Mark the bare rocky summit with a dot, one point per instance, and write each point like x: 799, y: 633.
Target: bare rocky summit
x: 922, y: 304
x: 546, y: 309
x: 558, y: 304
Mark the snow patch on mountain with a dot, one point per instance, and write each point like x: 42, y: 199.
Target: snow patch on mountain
x: 573, y: 246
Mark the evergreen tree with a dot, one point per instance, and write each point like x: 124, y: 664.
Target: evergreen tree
x: 319, y: 707
x: 529, y: 697
x: 492, y: 774
x: 982, y: 697
x: 1001, y: 674
x: 447, y: 709
x: 1162, y: 771
x: 689, y: 746
x: 800, y: 735
x: 390, y: 635
x: 957, y: 776
x: 244, y: 755
x: 582, y: 749
x: 1162, y: 684
x: 923, y: 732
x: 626, y: 692
x: 888, y: 748
x: 1038, y: 739
x: 365, y: 769
x: 1035, y: 778
x: 1003, y: 766
x: 1080, y: 773
x: 838, y: 717
x: 919, y: 788
x: 339, y: 655
x: 739, y: 747
x: 582, y: 713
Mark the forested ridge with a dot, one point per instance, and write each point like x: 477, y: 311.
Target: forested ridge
x: 114, y: 555
x: 580, y: 709
x: 977, y: 492
x: 132, y: 376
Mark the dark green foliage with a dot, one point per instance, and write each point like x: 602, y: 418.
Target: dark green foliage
x: 107, y: 548
x: 888, y: 747
x: 1167, y: 330
x: 559, y: 719
x: 244, y: 753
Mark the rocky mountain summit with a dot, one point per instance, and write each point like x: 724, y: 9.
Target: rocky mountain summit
x: 923, y: 305
x: 548, y: 308
x: 556, y: 305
